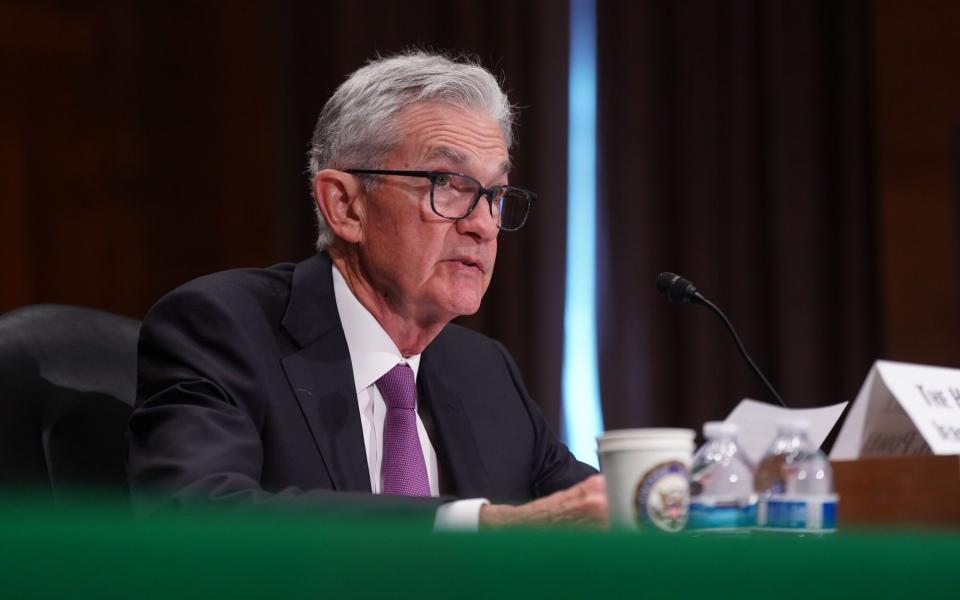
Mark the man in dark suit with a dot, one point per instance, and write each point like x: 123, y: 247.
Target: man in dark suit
x: 341, y: 374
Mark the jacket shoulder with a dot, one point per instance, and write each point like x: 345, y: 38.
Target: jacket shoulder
x: 457, y: 338
x: 236, y: 290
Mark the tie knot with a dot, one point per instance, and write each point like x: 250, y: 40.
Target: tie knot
x: 398, y: 388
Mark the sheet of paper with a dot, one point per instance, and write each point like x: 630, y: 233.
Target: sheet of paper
x: 757, y: 424
x: 850, y: 439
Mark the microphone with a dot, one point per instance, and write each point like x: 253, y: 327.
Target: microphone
x: 678, y: 289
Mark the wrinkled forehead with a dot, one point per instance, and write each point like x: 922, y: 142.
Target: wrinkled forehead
x: 459, y: 162
x: 441, y: 136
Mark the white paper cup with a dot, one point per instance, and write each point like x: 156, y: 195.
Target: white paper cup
x: 647, y: 477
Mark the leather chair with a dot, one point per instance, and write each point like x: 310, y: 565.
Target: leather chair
x: 68, y: 380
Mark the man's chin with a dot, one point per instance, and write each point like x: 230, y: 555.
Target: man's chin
x: 464, y: 304
x: 465, y: 309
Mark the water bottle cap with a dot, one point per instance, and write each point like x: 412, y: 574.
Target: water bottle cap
x: 715, y: 429
x: 793, y: 425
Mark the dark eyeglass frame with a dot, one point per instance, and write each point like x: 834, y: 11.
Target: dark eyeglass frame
x: 487, y: 192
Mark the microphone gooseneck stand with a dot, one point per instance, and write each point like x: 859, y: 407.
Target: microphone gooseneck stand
x: 678, y: 289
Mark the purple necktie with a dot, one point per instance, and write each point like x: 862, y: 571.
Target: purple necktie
x: 404, y: 472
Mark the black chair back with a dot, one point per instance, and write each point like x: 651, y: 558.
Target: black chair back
x: 68, y: 379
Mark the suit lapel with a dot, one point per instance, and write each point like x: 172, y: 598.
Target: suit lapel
x: 460, y: 452
x: 321, y: 375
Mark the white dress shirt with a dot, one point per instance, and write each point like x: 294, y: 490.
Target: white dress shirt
x: 372, y: 355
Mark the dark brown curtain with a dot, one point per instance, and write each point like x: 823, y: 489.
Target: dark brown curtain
x: 148, y: 143
x: 145, y: 144
x: 735, y: 150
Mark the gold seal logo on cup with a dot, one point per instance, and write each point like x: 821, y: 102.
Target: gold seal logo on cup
x: 662, y: 497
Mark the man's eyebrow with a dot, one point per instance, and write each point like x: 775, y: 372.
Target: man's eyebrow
x: 459, y: 159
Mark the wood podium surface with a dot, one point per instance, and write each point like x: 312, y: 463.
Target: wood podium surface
x: 898, y: 490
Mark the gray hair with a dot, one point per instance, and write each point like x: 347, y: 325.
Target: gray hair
x: 357, y: 128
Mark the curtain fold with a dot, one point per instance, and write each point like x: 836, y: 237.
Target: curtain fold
x: 735, y: 142
x: 734, y: 149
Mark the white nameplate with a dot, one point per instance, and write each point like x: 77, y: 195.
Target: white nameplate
x: 903, y: 409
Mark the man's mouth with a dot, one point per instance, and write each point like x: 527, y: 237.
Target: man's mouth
x: 469, y: 263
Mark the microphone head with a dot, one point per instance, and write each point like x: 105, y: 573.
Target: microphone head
x: 676, y: 288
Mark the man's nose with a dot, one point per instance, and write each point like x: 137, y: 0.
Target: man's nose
x: 480, y: 222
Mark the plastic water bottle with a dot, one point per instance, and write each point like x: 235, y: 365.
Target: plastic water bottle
x: 795, y: 483
x: 721, y: 483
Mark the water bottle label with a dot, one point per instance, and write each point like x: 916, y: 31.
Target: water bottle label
x: 718, y: 515
x: 806, y: 512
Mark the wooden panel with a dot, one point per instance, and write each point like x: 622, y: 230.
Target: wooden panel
x: 14, y: 290
x: 901, y: 490
x: 137, y: 149
x: 918, y: 108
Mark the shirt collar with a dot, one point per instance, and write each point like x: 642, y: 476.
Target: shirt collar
x: 372, y: 352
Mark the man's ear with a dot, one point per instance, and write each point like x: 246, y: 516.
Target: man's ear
x: 339, y: 198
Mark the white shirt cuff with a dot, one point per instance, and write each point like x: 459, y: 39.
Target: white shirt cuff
x: 460, y: 515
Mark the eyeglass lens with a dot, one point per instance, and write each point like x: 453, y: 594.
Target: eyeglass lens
x: 454, y: 195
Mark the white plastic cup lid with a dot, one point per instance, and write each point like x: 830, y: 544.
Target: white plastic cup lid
x: 645, y: 439
x: 646, y: 433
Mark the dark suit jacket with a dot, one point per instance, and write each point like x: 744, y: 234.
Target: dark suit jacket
x: 245, y: 391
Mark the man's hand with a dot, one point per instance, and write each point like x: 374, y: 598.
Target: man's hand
x: 583, y: 504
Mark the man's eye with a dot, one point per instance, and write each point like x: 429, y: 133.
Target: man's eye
x: 443, y: 180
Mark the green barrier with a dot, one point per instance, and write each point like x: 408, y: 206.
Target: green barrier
x: 96, y: 549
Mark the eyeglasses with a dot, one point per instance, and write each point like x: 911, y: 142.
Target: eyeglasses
x: 455, y: 195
